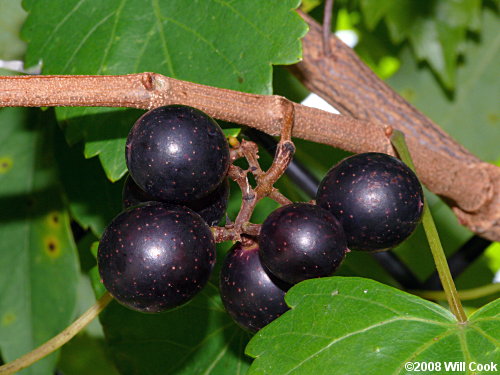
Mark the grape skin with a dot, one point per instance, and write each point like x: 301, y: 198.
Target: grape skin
x: 156, y: 256
x: 211, y: 207
x: 376, y: 197
x: 300, y: 241
x: 251, y: 295
x: 177, y: 153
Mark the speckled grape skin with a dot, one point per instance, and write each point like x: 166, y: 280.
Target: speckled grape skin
x: 211, y: 207
x: 301, y: 241
x: 251, y: 296
x: 133, y: 195
x: 376, y: 197
x: 156, y: 256
x: 177, y: 153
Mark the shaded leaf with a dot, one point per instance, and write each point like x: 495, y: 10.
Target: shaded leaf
x: 225, y: 44
x: 93, y: 200
x: 196, y: 339
x: 471, y: 115
x: 436, y: 30
x: 85, y: 355
x: 39, y: 264
x: 351, y: 325
x: 374, y: 11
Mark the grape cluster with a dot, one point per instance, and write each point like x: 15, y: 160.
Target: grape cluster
x: 160, y: 251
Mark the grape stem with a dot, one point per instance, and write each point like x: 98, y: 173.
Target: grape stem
x: 265, y: 180
x: 398, y: 140
x: 470, y: 185
x: 59, y: 340
x: 327, y: 25
x: 444, y: 166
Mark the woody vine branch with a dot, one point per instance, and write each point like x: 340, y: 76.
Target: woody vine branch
x: 471, y: 187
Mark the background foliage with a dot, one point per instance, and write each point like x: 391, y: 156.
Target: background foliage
x: 440, y: 55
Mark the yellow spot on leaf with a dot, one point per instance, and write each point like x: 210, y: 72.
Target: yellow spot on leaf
x: 492, y: 118
x: 51, y: 246
x: 5, y: 164
x: 8, y: 318
x: 54, y: 219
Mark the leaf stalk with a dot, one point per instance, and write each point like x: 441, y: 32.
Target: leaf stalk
x: 59, y: 340
x: 398, y: 140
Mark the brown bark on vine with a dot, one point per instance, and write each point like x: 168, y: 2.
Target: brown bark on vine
x: 369, y: 108
x: 444, y: 166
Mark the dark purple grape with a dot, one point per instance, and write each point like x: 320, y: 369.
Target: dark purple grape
x: 132, y: 195
x: 177, y: 153
x: 156, y: 256
x: 251, y: 295
x: 301, y: 241
x: 211, y: 208
x: 377, y: 198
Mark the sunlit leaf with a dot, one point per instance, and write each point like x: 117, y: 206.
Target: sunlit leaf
x: 357, y: 326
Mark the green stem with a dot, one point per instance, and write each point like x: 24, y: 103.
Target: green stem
x: 57, y: 341
x: 466, y: 294
x: 399, y: 143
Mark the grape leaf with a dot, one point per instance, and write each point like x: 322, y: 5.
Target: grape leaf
x: 39, y: 264
x: 231, y: 132
x: 356, y: 326
x: 471, y: 115
x: 436, y: 30
x: 85, y: 355
x: 196, y: 339
x: 219, y: 43
x: 374, y: 11
x: 93, y: 200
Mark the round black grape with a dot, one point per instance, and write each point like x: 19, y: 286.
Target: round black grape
x: 156, y: 256
x: 251, y: 295
x: 211, y: 207
x: 132, y: 195
x: 301, y: 241
x: 377, y: 198
x: 177, y: 153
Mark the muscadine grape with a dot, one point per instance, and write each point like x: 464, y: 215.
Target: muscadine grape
x: 211, y: 207
x: 300, y: 241
x: 377, y: 198
x: 132, y: 195
x: 251, y: 295
x: 156, y: 256
x: 177, y: 153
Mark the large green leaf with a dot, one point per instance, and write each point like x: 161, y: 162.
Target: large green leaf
x: 38, y: 262
x: 220, y: 43
x: 471, y: 115
x: 357, y: 326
